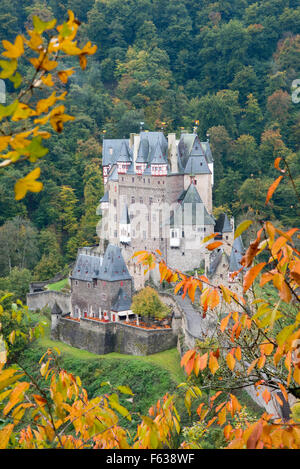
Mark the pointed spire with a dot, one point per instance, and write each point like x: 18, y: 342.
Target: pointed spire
x: 124, y: 153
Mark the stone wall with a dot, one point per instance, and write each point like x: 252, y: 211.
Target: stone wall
x: 102, y: 338
x: 42, y: 299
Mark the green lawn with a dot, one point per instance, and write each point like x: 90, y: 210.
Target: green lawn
x: 58, y: 285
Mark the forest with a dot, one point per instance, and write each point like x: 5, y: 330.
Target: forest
x: 229, y: 65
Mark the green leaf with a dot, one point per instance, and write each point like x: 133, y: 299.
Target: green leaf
x: 6, y: 111
x: 8, y: 68
x: 242, y: 227
x: 16, y: 79
x: 40, y: 26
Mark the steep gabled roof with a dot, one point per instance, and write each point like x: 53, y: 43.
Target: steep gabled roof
x: 236, y: 255
x: 113, y: 266
x: 122, y: 303
x: 86, y: 266
x: 113, y: 174
x: 158, y: 155
x: 104, y: 198
x: 111, y: 150
x: 197, y: 165
x: 207, y: 151
x: 124, y: 155
x: 56, y: 309
x: 110, y: 267
x: 191, y: 209
x: 143, y: 152
x: 153, y: 139
x: 223, y: 224
x: 215, y: 262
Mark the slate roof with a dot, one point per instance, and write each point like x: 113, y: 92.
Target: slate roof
x: 122, y: 303
x: 113, y: 174
x: 207, y: 151
x: 115, y: 145
x: 111, y: 267
x: 197, y: 165
x: 105, y: 198
x: 191, y: 209
x: 193, y: 156
x: 143, y: 152
x: 223, y: 224
x: 56, y: 309
x: 86, y: 267
x: 153, y: 139
x: 236, y: 255
x: 215, y: 261
x: 124, y: 155
x: 159, y: 157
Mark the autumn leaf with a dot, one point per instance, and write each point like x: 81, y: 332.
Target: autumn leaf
x: 230, y: 360
x: 214, y: 245
x: 64, y: 75
x: 242, y: 227
x: 251, y: 275
x: 213, y: 364
x: 272, y: 189
x: 14, y: 51
x: 5, y: 435
x: 28, y: 183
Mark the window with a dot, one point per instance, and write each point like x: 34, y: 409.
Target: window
x: 132, y: 199
x: 141, y: 200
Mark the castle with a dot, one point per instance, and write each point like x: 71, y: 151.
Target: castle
x: 158, y: 196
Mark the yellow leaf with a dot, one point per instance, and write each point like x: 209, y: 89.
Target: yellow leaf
x: 242, y: 227
x: 5, y: 435
x: 230, y: 360
x: 13, y: 51
x: 64, y: 75
x: 28, y: 183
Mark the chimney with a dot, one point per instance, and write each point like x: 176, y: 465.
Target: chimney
x: 172, y: 151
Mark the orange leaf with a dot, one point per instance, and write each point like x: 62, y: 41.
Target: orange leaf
x: 213, y: 364
x: 224, y: 322
x: 230, y: 360
x: 203, y: 361
x: 252, y: 274
x: 272, y: 189
x: 214, y: 245
x: 213, y: 299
